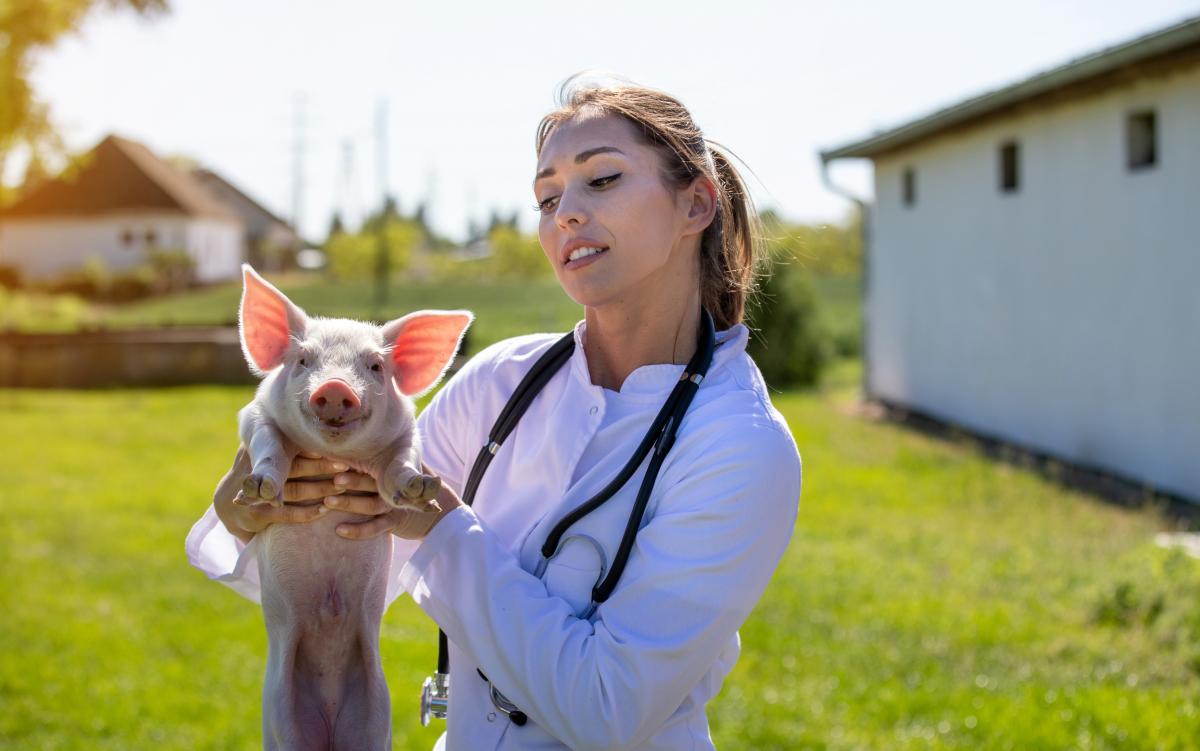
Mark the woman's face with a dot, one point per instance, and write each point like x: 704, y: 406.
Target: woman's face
x: 609, y: 225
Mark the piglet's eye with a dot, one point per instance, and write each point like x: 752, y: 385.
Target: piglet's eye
x: 376, y: 367
x: 304, y: 362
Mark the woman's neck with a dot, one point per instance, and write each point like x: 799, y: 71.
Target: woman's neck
x: 623, y: 337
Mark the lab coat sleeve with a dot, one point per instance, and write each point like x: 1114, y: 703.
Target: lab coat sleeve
x: 696, y: 571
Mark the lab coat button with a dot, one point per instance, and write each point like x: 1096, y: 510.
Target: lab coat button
x: 491, y: 717
x: 593, y: 410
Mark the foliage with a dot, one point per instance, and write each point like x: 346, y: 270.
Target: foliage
x: 516, y: 256
x: 930, y: 598
x: 820, y: 248
x: 11, y: 277
x: 791, y: 344
x: 26, y: 28
x: 29, y: 311
x: 354, y: 256
x: 165, y: 271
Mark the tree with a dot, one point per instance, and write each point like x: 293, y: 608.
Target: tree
x: 789, y: 343
x: 27, y: 27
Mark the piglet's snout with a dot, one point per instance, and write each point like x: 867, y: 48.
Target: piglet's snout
x: 335, y: 401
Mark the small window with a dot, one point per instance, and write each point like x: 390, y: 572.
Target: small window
x: 909, y: 186
x: 127, y: 238
x: 151, y: 238
x: 1141, y: 140
x: 1008, y: 167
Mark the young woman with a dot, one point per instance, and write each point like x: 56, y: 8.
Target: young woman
x: 576, y: 633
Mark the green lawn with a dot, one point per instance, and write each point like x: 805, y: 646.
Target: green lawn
x: 930, y: 598
x: 504, y: 307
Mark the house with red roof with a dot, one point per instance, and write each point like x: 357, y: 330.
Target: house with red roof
x: 121, y: 202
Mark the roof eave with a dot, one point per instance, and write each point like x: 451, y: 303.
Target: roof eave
x: 1163, y: 42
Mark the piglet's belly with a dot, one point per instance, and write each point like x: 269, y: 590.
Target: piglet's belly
x: 313, y: 578
x: 323, y: 600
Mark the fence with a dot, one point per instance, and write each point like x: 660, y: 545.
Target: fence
x: 98, y: 359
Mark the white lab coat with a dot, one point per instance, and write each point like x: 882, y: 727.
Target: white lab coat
x: 638, y: 673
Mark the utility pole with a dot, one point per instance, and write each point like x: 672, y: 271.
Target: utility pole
x: 383, y: 252
x: 298, y: 155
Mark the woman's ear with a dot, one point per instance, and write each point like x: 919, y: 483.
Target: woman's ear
x: 701, y: 199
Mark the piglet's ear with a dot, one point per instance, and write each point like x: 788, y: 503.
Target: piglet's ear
x: 423, y: 345
x: 267, y: 321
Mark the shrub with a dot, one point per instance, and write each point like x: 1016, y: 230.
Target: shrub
x: 133, y: 285
x: 172, y: 269
x: 10, y: 277
x: 788, y: 340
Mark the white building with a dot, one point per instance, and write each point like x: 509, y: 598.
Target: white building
x: 1033, y: 265
x: 120, y: 203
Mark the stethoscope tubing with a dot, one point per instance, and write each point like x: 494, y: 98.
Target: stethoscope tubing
x: 660, y: 437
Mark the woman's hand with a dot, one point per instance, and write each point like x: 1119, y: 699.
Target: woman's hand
x: 361, y: 496
x: 244, y: 520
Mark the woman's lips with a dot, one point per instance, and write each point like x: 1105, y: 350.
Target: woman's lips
x: 579, y: 263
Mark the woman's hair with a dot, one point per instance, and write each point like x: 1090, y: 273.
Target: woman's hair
x: 729, y: 249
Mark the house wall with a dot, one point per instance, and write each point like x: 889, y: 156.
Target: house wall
x: 1065, y: 316
x: 45, y: 248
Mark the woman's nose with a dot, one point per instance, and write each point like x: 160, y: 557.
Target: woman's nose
x: 570, y: 209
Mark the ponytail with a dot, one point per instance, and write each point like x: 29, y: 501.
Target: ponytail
x: 729, y: 247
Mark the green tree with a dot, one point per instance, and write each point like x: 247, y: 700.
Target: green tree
x: 26, y: 28
x: 789, y: 341
x: 818, y: 248
x: 354, y: 255
x: 515, y: 254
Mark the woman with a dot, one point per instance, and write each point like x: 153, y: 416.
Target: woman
x: 646, y: 225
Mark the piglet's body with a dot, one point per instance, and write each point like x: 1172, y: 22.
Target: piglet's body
x: 343, y: 389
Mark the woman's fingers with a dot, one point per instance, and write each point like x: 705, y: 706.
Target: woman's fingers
x: 365, y: 505
x: 265, y: 514
x: 370, y: 528
x: 314, y: 466
x: 356, y: 481
x: 309, y: 490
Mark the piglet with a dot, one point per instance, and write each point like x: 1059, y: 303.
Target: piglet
x: 343, y: 389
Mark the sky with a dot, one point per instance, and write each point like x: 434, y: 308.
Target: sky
x: 237, y: 84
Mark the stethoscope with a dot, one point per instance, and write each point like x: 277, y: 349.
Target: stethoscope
x: 435, y: 693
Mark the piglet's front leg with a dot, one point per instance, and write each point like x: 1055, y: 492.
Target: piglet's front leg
x: 271, y: 456
x: 404, y: 486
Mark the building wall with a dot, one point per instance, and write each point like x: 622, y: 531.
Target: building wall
x: 44, y: 248
x: 1064, y: 316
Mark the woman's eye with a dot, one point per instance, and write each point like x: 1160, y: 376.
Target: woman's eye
x: 600, y: 182
x: 545, y: 206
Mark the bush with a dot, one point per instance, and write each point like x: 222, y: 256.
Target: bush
x: 10, y: 277
x: 788, y: 341
x: 132, y: 285
x: 172, y: 269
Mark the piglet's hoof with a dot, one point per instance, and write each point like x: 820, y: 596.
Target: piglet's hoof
x: 419, y: 493
x: 258, y: 487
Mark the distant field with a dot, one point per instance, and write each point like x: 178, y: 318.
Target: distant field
x: 504, y: 307
x: 930, y: 599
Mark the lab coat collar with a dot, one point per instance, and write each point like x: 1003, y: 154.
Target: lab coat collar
x: 655, y: 380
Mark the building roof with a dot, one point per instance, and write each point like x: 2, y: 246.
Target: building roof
x: 119, y: 175
x: 1169, y: 47
x: 227, y: 191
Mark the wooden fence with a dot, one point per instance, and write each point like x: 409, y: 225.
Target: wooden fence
x: 99, y: 359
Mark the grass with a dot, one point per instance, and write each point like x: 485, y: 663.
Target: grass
x: 930, y: 598
x: 503, y: 307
